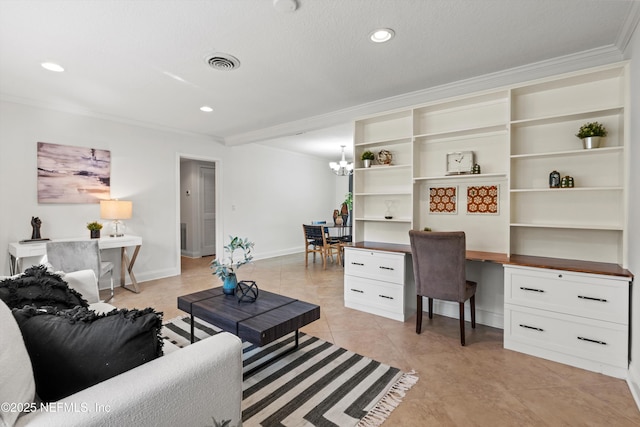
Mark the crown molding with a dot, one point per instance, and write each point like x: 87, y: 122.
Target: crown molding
x: 564, y: 64
x: 628, y: 27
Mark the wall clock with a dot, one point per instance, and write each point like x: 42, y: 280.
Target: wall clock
x: 459, y: 162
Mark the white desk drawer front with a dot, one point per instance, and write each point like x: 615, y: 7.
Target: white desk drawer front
x: 580, y: 295
x: 598, y: 341
x: 375, y: 265
x: 383, y: 295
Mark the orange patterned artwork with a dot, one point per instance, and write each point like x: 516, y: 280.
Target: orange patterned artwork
x: 443, y: 200
x: 482, y: 199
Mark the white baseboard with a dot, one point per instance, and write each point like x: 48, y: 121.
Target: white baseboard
x: 190, y: 254
x: 140, y: 277
x: 633, y: 380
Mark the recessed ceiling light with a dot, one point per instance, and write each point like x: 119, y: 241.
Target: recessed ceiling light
x: 382, y: 35
x: 206, y: 109
x: 52, y: 67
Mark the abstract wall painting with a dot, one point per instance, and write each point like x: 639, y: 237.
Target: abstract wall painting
x: 443, y: 200
x: 69, y: 174
x: 482, y: 199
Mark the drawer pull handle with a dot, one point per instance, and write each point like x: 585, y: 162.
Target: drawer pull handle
x: 357, y: 290
x: 384, y: 296
x: 531, y: 327
x: 357, y: 263
x: 386, y: 268
x: 532, y: 289
x: 594, y: 341
x: 592, y: 299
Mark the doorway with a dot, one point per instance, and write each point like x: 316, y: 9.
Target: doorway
x: 198, y: 207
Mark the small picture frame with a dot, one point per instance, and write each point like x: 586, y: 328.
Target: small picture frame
x: 483, y: 199
x: 443, y: 200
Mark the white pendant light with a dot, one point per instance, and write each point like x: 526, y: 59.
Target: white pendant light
x: 342, y: 168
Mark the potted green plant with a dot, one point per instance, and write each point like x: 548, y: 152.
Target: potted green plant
x: 347, y: 207
x: 94, y: 229
x: 236, y: 253
x: 591, y: 134
x: 367, y: 157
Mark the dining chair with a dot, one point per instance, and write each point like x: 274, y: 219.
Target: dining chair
x: 334, y: 243
x: 315, y: 238
x: 439, y: 263
x: 79, y: 255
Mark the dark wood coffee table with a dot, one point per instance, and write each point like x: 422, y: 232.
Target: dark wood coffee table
x: 270, y: 317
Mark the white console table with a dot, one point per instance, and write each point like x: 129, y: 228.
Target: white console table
x: 18, y: 251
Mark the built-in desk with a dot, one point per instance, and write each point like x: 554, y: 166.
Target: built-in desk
x: 570, y: 311
x: 578, y: 266
x: 18, y: 251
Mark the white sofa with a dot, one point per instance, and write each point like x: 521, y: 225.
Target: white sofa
x: 189, y: 387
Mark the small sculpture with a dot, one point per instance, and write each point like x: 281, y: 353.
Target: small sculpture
x: 35, y: 224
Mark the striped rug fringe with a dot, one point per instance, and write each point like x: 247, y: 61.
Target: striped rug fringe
x: 390, y: 401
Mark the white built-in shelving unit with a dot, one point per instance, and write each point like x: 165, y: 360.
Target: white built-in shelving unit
x: 519, y: 134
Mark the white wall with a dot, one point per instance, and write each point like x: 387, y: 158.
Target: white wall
x: 270, y: 193
x: 273, y: 191
x: 633, y: 53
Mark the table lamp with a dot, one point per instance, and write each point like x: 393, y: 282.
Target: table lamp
x: 116, y: 210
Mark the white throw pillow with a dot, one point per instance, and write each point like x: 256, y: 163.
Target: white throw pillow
x: 17, y: 384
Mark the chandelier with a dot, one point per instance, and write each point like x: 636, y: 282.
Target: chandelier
x: 342, y: 168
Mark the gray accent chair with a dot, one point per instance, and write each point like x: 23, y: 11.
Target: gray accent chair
x: 79, y: 255
x: 439, y: 260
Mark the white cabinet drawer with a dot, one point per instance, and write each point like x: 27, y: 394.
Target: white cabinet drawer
x: 385, y: 266
x: 601, y: 342
x: 582, y: 295
x: 385, y: 296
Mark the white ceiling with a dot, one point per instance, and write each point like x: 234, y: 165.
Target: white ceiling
x: 143, y: 61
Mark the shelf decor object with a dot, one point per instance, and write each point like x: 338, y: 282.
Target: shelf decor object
x: 389, y: 212
x: 443, y: 200
x: 554, y: 179
x: 591, y: 133
x: 482, y: 199
x: 367, y: 157
x: 385, y: 157
x: 460, y: 162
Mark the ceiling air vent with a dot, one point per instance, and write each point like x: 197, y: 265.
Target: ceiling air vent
x: 223, y: 62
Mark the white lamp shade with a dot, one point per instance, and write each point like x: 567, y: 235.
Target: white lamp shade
x: 116, y: 209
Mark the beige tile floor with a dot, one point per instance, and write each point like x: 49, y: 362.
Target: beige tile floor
x: 480, y: 384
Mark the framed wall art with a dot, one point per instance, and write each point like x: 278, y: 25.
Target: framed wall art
x: 482, y: 199
x: 69, y: 174
x: 443, y: 200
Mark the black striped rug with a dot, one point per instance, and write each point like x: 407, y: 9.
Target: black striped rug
x: 319, y: 384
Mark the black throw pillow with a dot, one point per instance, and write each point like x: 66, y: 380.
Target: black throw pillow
x: 38, y: 287
x: 74, y: 349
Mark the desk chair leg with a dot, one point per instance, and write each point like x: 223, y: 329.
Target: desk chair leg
x: 473, y: 311
x: 419, y: 314
x: 461, y: 323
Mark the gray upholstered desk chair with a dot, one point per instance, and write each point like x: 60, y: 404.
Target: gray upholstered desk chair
x: 439, y: 269
x: 79, y: 255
